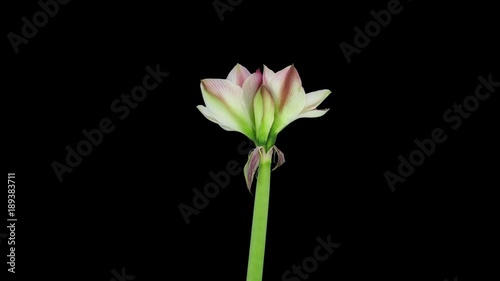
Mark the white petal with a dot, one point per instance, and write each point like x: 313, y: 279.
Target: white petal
x: 210, y: 116
x: 290, y: 111
x: 268, y: 74
x: 313, y: 99
x: 207, y: 113
x: 224, y: 100
x: 250, y: 88
x: 284, y: 84
x: 313, y: 113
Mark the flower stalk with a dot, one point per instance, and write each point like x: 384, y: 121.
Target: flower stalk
x: 259, y: 222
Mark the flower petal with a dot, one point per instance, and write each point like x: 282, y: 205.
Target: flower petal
x: 313, y: 113
x: 238, y: 75
x: 313, y: 99
x: 268, y: 74
x: 292, y: 109
x: 284, y: 85
x: 207, y: 113
x: 224, y: 100
x: 210, y: 116
x: 250, y: 88
x: 289, y: 97
x: 251, y: 166
x: 263, y: 114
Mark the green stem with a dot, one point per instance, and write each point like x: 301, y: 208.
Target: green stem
x: 259, y: 223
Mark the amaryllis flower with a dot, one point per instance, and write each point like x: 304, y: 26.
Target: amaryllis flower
x: 259, y: 105
x: 290, y: 99
x: 229, y: 102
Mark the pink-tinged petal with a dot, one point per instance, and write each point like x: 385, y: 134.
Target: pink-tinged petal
x: 251, y: 166
x: 224, y: 100
x: 268, y: 74
x: 250, y: 88
x: 284, y: 85
x: 313, y: 99
x: 252, y: 84
x: 313, y: 113
x: 221, y: 88
x: 281, y: 157
x: 238, y: 75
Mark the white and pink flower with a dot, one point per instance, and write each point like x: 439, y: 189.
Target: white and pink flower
x: 259, y: 105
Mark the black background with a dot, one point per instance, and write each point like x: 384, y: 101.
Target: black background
x: 119, y: 207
